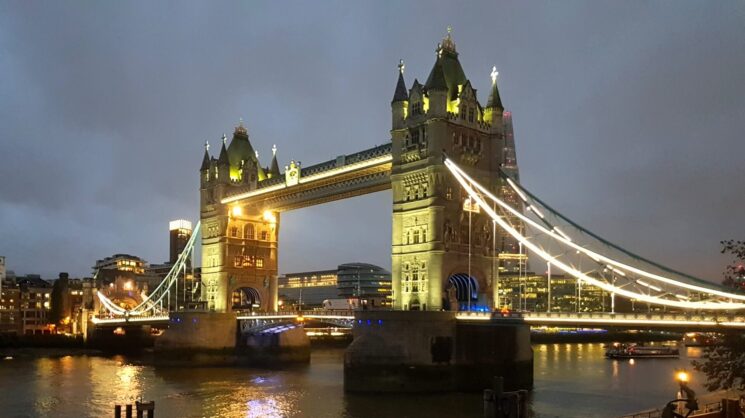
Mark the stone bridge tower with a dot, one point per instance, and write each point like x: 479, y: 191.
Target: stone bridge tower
x: 239, y: 242
x: 430, y: 237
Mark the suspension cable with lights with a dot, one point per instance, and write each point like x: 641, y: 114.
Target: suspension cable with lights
x: 626, y: 274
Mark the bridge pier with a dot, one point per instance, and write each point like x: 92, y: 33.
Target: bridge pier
x: 426, y: 351
x: 215, y: 339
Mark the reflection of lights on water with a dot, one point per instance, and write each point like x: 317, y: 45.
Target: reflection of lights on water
x: 129, y: 379
x: 615, y: 368
x: 258, y: 380
x: 260, y: 408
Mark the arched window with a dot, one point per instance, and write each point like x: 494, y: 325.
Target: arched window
x: 249, y: 231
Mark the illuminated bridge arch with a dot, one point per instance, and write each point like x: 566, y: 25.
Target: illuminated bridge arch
x: 460, y: 281
x: 246, y: 298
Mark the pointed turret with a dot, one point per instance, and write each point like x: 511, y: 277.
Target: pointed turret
x: 400, y: 102
x: 223, y: 160
x: 436, y: 80
x: 274, y: 167
x: 223, y: 164
x: 401, y: 94
x: 494, y: 100
x: 494, y: 109
x: 447, y: 61
x: 206, y: 159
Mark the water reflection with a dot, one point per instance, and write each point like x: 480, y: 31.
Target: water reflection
x: 570, y: 380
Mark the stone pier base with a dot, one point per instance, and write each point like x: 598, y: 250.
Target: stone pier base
x: 421, y: 351
x: 213, y: 339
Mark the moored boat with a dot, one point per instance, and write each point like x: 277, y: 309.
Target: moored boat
x: 627, y: 351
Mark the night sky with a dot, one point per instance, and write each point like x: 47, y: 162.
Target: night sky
x: 629, y: 116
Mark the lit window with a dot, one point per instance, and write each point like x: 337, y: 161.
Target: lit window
x: 250, y: 231
x: 260, y: 262
x: 234, y: 231
x: 263, y: 235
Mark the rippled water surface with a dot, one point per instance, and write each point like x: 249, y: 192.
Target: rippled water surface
x: 571, y: 380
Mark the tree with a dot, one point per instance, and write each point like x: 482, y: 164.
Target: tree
x: 724, y: 363
x: 734, y: 273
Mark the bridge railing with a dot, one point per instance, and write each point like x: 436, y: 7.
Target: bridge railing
x: 609, y: 318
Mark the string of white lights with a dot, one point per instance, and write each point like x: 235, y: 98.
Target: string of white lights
x: 598, y: 257
x: 151, y: 301
x: 467, y: 182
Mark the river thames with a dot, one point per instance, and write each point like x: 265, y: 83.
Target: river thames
x: 571, y: 380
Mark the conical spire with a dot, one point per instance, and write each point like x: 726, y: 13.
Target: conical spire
x: 447, y: 64
x: 206, y: 159
x: 223, y: 159
x: 401, y: 94
x: 494, y: 99
x: 274, y: 168
x: 436, y: 79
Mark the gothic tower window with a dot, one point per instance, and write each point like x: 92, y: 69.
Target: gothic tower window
x: 415, y: 136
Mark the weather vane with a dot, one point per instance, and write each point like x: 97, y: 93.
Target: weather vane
x: 494, y: 74
x: 206, y: 145
x: 401, y: 66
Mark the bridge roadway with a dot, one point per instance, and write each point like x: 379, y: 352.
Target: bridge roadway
x: 345, y: 319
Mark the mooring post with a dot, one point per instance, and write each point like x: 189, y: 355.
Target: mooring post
x: 498, y: 386
x: 128, y: 411
x: 117, y: 411
x: 492, y: 396
x: 490, y: 406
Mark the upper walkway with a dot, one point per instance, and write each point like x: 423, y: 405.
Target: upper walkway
x: 692, y: 322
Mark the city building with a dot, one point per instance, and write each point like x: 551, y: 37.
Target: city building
x: 179, y: 232
x: 10, y: 309
x: 369, y: 284
x: 121, y: 263
x: 529, y: 292
x: 35, y: 303
x: 307, y: 290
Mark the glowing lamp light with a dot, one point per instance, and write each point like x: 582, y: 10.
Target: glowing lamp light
x: 237, y: 211
x: 682, y: 376
x: 128, y: 285
x: 269, y: 216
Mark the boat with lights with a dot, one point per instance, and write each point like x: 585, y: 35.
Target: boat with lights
x: 628, y: 351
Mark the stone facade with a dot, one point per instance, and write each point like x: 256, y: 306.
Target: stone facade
x: 239, y: 241
x: 432, y: 233
x: 430, y: 237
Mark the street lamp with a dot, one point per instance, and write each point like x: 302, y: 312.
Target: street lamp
x: 685, y: 394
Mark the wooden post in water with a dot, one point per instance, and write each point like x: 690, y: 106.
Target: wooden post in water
x: 117, y: 411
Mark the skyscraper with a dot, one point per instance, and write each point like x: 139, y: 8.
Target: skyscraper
x: 180, y: 232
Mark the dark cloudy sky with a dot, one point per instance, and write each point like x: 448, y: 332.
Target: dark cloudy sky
x: 629, y: 116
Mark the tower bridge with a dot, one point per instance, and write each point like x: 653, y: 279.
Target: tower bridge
x: 241, y: 201
x: 460, y: 218
x: 460, y: 215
